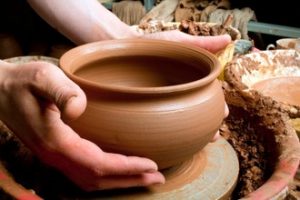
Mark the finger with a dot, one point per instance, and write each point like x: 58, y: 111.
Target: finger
x: 91, y: 168
x: 118, y: 164
x: 105, y: 164
x: 211, y: 43
x: 145, y: 179
x: 90, y: 155
x: 51, y: 83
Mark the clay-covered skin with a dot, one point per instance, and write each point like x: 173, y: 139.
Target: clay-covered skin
x: 148, y: 98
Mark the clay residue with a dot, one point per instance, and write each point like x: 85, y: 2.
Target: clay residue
x: 270, y: 119
x: 256, y: 67
x: 261, y: 134
x: 245, y: 71
x: 190, y: 27
x: 274, y: 115
x: 206, y: 29
x: 251, y: 153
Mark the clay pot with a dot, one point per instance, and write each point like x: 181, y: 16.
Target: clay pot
x: 150, y: 98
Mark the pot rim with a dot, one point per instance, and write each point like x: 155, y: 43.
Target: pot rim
x: 68, y: 59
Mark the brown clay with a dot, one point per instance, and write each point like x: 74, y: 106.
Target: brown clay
x: 150, y: 98
x: 190, y: 27
x: 270, y: 117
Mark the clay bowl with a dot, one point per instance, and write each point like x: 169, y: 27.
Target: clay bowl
x: 265, y: 85
x: 151, y: 98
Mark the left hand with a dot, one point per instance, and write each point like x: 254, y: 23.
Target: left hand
x: 36, y: 101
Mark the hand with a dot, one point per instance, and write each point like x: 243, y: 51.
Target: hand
x: 35, y: 102
x: 210, y: 43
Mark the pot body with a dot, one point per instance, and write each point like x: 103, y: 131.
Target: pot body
x: 165, y: 128
x: 149, y: 98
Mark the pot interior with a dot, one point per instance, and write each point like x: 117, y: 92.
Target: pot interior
x: 143, y: 71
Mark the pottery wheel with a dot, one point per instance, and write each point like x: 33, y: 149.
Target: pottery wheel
x: 210, y: 174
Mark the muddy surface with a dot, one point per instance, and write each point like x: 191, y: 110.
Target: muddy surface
x: 269, y: 118
x: 249, y: 146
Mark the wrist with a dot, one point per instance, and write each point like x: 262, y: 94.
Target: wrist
x: 115, y: 30
x: 103, y: 30
x: 112, y: 27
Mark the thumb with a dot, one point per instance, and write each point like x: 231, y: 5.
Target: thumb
x: 53, y: 85
x: 73, y: 104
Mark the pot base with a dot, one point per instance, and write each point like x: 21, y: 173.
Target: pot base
x: 210, y: 174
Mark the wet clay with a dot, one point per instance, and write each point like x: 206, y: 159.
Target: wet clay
x: 266, y: 118
x: 142, y: 71
x: 190, y: 27
x: 150, y: 98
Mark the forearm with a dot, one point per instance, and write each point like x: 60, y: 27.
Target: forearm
x: 82, y: 21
